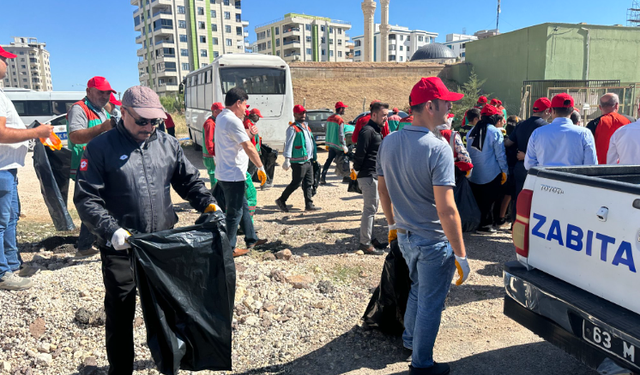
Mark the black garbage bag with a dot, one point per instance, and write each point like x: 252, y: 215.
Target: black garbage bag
x: 467, y: 206
x: 389, y: 301
x: 343, y: 168
x: 268, y: 157
x: 354, y: 187
x: 52, y: 169
x: 186, y: 279
x: 317, y: 171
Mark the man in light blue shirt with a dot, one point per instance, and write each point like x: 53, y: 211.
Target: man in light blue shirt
x: 561, y: 143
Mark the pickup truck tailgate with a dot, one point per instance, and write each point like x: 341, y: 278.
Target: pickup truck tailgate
x: 585, y: 230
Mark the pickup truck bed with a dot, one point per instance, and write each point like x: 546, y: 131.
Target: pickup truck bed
x: 586, y: 326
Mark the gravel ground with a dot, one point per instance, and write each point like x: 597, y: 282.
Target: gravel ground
x: 296, y: 316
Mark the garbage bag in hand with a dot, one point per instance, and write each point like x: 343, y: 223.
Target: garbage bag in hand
x: 470, y: 215
x: 389, y: 301
x: 186, y: 279
x: 52, y: 168
x: 354, y: 187
x: 343, y: 168
x: 268, y: 157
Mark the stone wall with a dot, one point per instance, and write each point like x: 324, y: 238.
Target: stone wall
x: 350, y: 70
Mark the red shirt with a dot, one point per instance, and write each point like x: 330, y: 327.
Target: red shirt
x: 168, y: 123
x: 608, y: 124
x: 247, y: 125
x: 209, y: 131
x: 362, y: 121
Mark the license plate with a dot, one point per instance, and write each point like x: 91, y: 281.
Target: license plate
x: 609, y: 342
x: 62, y: 135
x: 320, y: 138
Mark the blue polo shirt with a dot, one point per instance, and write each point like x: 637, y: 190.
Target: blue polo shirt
x: 413, y: 161
x: 561, y: 144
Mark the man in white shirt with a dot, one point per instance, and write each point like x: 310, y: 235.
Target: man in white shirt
x: 13, y: 149
x: 624, y: 146
x: 233, y: 151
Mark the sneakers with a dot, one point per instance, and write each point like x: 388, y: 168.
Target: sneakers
x: 436, y: 369
x: 27, y: 271
x: 82, y: 254
x: 370, y: 250
x: 323, y: 181
x: 379, y: 245
x: 281, y: 205
x: 311, y: 207
x: 239, y: 252
x: 11, y: 281
x: 257, y: 243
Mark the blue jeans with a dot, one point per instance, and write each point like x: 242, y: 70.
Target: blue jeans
x: 237, y: 212
x: 431, y: 269
x: 9, y: 213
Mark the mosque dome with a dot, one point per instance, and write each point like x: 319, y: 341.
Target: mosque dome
x: 433, y: 51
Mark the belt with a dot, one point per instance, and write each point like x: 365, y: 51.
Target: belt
x: 403, y: 231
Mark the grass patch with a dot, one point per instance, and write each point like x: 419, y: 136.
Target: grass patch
x: 345, y: 274
x: 181, y: 124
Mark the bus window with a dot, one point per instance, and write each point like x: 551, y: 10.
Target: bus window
x: 61, y: 107
x: 270, y: 81
x: 19, y: 104
x: 39, y: 108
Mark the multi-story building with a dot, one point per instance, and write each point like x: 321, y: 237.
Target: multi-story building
x: 178, y: 36
x: 458, y: 43
x: 484, y: 34
x: 298, y: 37
x: 30, y: 69
x: 402, y: 43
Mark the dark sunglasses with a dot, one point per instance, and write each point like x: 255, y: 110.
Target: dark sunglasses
x: 145, y: 121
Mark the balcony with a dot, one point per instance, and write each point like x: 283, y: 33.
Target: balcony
x: 290, y: 31
x: 162, y: 11
x: 139, y: 39
x: 168, y: 42
x: 134, y: 2
x: 291, y: 43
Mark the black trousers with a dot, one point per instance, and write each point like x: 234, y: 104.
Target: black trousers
x: 302, y: 174
x: 327, y: 164
x: 489, y: 197
x: 120, y: 308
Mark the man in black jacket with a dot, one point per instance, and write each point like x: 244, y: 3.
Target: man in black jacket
x: 123, y: 184
x: 364, y: 162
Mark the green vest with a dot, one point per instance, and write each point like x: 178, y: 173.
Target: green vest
x: 332, y: 135
x: 93, y: 120
x: 404, y: 122
x: 393, y: 122
x: 299, y: 152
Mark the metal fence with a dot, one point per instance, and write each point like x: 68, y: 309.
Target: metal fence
x: 587, y: 99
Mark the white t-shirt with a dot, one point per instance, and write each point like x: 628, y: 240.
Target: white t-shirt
x: 11, y: 154
x: 231, y: 160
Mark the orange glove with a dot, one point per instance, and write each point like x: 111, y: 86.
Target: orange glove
x: 262, y: 176
x: 503, y: 178
x: 353, y: 175
x: 463, y: 269
x: 393, y: 232
x: 211, y: 208
x: 326, y: 148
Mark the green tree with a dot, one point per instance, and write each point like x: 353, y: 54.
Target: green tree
x: 471, y: 89
x: 168, y: 102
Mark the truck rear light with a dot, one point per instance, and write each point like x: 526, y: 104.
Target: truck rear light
x: 521, y: 226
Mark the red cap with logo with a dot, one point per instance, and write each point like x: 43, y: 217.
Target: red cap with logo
x: 217, y: 106
x: 341, y: 105
x: 562, y: 101
x: 482, y: 100
x: 114, y: 101
x: 256, y: 111
x: 100, y: 83
x: 432, y: 88
x: 489, y: 110
x: 541, y: 104
x: 7, y: 55
x: 298, y: 109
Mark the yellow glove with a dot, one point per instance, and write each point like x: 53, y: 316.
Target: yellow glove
x: 503, y: 178
x: 326, y: 148
x: 393, y: 233
x: 262, y: 176
x: 353, y: 175
x: 463, y: 269
x: 468, y: 173
x: 211, y: 208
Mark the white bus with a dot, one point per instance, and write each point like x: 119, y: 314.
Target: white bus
x: 42, y: 105
x: 266, y: 79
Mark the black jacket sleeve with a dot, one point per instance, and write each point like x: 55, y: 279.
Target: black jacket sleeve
x: 87, y: 196
x: 364, y: 138
x: 187, y: 183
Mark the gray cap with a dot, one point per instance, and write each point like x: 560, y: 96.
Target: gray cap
x: 144, y: 101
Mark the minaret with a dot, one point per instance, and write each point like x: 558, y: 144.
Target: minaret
x: 384, y: 30
x: 368, y: 9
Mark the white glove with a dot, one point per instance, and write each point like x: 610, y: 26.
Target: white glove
x: 119, y: 239
x: 463, y: 269
x: 345, y: 149
x: 286, y: 165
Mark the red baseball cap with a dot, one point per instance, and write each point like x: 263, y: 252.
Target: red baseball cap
x: 432, y: 88
x: 375, y: 101
x: 246, y: 113
x: 217, y: 106
x: 489, y: 110
x: 298, y: 109
x: 450, y: 115
x: 541, y: 104
x: 482, y: 100
x: 6, y: 54
x: 256, y: 111
x: 114, y: 101
x: 494, y: 101
x: 341, y: 105
x: 562, y: 101
x: 100, y: 83
x: 396, y: 110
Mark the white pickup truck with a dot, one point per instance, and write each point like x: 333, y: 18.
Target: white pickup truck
x: 575, y: 282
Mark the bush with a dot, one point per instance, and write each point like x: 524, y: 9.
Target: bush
x: 172, y: 103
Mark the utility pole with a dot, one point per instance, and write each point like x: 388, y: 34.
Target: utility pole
x: 498, y: 16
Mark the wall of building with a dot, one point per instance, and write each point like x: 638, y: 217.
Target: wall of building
x: 363, y: 70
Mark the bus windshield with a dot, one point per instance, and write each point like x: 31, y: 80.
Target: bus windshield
x: 257, y: 81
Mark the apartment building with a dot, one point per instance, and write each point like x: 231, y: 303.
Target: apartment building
x: 30, y: 69
x: 458, y: 43
x: 402, y: 43
x: 178, y: 36
x: 299, y: 37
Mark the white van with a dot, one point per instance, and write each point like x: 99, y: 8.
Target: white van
x: 266, y: 79
x: 41, y: 105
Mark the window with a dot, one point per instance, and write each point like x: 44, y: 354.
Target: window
x: 339, y: 53
x: 238, y: 4
x: 339, y: 42
x: 408, y: 49
x: 239, y: 30
x: 226, y: 2
x: 215, y: 41
x: 330, y: 30
x: 308, y: 39
x: 181, y: 9
x: 323, y: 52
x: 227, y: 15
x: 230, y: 42
x: 408, y: 38
x: 203, y: 65
x: 331, y: 53
x: 278, y: 53
x: 203, y: 53
x: 203, y: 39
x: 307, y: 27
x: 401, y: 58
x: 322, y: 40
x: 420, y: 38
x: 339, y: 31
x: 23, y: 66
x: 212, y: 1
x: 330, y: 41
x: 227, y: 29
x: 254, y: 80
x: 33, y: 107
x: 238, y: 17
x: 308, y: 51
x: 201, y: 25
x: 200, y: 11
x: 322, y: 28
x: 216, y: 54
x: 278, y: 42
x: 268, y: 44
x: 184, y: 52
x: 277, y: 30
x: 401, y: 48
x: 357, y: 43
x: 214, y: 27
x: 182, y: 24
x: 183, y: 38
x: 213, y: 14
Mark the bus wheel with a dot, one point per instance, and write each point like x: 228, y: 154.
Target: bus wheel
x: 31, y: 145
x: 196, y: 146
